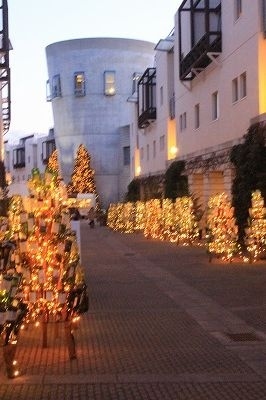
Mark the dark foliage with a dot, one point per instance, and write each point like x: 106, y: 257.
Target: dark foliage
x: 176, y: 184
x: 249, y: 159
x: 133, y: 193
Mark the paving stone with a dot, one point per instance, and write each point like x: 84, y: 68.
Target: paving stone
x: 156, y: 329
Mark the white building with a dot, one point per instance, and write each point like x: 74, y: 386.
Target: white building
x: 29, y: 152
x: 191, y: 97
x: 218, y: 66
x: 90, y: 81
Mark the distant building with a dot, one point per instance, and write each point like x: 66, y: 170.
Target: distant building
x: 90, y: 81
x: 30, y: 152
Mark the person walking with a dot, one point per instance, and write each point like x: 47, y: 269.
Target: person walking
x: 91, y: 217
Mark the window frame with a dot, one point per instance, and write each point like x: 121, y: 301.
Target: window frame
x: 126, y: 155
x: 109, y: 86
x: 79, y: 86
x: 238, y: 9
x: 56, y: 86
x: 215, y: 105
x: 197, y: 116
x: 243, y: 85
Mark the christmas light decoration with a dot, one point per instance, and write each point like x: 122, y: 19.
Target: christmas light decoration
x: 41, y: 278
x: 140, y: 215
x: 82, y: 178
x: 221, y: 228
x: 153, y: 222
x: 185, y: 221
x: 255, y: 238
x: 168, y: 220
x: 129, y: 217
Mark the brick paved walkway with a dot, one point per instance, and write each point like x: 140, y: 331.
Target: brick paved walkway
x: 164, y: 324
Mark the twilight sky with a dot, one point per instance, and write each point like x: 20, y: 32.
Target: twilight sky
x: 34, y: 24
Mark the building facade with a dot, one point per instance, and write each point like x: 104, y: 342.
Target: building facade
x: 29, y: 152
x: 214, y: 74
x: 90, y: 81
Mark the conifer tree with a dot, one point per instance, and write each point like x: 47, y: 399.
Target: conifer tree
x: 255, y: 238
x: 221, y: 227
x: 82, y: 178
x: 53, y: 165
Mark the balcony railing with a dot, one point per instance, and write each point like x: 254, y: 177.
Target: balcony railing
x: 198, y: 58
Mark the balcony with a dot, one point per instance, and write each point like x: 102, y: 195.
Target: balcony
x: 200, y: 55
x: 200, y: 36
x: 147, y: 98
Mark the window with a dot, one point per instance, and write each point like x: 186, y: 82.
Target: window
x: 239, y: 87
x: 154, y: 148
x: 79, y: 84
x: 215, y: 106
x: 161, y: 95
x: 235, y: 90
x: 141, y: 153
x: 109, y: 83
x: 135, y: 79
x: 238, y: 9
x: 243, y: 85
x: 148, y: 152
x: 183, y: 121
x: 19, y: 158
x: 126, y: 155
x: 48, y: 148
x: 56, y: 86
x: 172, y: 107
x: 197, y: 116
x: 48, y: 91
x: 162, y: 139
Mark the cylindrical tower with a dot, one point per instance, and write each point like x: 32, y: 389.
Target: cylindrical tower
x: 90, y: 82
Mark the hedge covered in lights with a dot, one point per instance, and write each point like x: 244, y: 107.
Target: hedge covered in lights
x: 176, y: 221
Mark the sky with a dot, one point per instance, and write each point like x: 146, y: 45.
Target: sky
x: 34, y: 24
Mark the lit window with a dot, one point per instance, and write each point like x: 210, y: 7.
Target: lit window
x: 56, y: 86
x: 79, y: 84
x: 215, y: 106
x: 109, y: 83
x: 243, y: 85
x: 234, y: 90
x: 197, y: 116
x: 126, y: 155
x: 238, y: 9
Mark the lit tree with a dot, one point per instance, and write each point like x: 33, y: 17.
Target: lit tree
x: 168, y: 229
x: 129, y: 216
x: 82, y: 178
x: 221, y: 227
x: 53, y: 165
x: 255, y: 238
x: 185, y: 220
x: 41, y: 278
x: 153, y: 223
x: 140, y: 215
